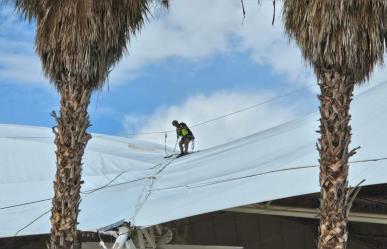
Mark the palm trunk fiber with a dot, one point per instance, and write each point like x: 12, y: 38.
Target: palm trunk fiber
x: 335, y: 99
x: 71, y: 139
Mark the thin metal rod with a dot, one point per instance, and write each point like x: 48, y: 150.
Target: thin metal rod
x: 309, y: 213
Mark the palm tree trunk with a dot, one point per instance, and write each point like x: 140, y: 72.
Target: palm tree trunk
x: 71, y: 139
x: 335, y: 99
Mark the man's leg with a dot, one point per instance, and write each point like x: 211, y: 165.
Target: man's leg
x: 186, y: 142
x: 181, y: 145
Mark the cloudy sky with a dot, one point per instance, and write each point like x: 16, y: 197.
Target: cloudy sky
x: 198, y: 61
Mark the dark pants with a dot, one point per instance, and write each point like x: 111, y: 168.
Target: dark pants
x: 184, y: 142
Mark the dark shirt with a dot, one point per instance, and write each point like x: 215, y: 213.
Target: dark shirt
x: 180, y: 128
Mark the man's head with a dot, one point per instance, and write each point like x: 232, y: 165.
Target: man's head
x: 175, y: 123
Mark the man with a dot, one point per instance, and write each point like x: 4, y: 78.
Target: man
x: 186, y: 135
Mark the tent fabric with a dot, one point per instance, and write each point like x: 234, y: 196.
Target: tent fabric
x: 126, y: 179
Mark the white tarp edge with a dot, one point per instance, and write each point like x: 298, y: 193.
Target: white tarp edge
x: 132, y: 181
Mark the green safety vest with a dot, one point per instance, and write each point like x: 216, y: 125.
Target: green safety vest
x: 184, y: 132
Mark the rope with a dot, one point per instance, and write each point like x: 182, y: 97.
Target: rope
x: 106, y: 185
x: 32, y: 222
x: 165, y: 142
x: 148, y: 193
x: 229, y: 114
x: 109, y: 184
x: 25, y: 204
x: 210, y: 120
x: 260, y: 174
x: 200, y: 123
x: 140, y: 203
x: 170, y: 161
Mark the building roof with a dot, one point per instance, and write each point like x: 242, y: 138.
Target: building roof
x: 126, y: 179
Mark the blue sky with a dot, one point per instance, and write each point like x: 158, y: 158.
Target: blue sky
x: 191, y: 63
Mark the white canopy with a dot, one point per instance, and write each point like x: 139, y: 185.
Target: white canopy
x: 130, y: 180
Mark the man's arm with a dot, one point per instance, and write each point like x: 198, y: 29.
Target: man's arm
x: 190, y: 132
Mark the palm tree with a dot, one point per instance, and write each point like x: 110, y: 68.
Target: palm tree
x: 78, y: 42
x: 343, y: 40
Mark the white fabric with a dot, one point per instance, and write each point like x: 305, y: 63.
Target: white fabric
x: 149, y: 189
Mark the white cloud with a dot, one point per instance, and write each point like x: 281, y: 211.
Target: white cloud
x: 20, y: 68
x: 201, y: 108
x: 18, y: 62
x: 379, y: 76
x: 194, y: 30
x: 191, y: 30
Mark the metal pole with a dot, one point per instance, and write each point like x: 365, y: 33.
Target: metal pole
x: 165, y: 143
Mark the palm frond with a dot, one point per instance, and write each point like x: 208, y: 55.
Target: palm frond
x: 82, y: 40
x: 29, y: 9
x: 165, y: 3
x: 346, y: 36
